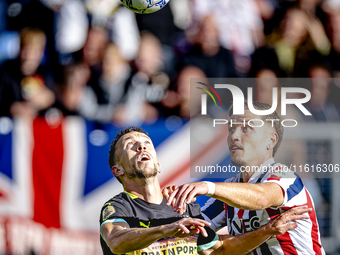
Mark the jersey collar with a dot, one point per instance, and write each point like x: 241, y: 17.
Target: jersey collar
x: 259, y: 172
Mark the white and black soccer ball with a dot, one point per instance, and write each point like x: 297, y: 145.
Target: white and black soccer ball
x: 144, y: 6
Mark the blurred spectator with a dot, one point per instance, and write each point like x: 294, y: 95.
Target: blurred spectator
x: 309, y: 6
x: 319, y: 105
x: 161, y: 24
x: 239, y: 23
x: 99, y: 102
x: 71, y: 92
x: 71, y: 23
x: 223, y: 34
x: 25, y: 85
x: 266, y: 80
x: 177, y: 102
x: 119, y: 21
x: 207, y: 53
x: 146, y: 84
x: 302, y: 38
x: 93, y: 53
x: 124, y: 32
x: 33, y: 13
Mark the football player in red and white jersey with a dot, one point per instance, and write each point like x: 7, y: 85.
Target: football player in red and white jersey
x: 262, y: 191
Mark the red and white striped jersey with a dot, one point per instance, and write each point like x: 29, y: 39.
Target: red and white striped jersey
x: 305, y: 239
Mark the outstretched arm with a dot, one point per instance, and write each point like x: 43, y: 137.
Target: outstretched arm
x: 245, y: 196
x: 122, y: 239
x: 245, y: 243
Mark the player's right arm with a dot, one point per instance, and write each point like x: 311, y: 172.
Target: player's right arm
x: 247, y: 196
x: 122, y: 239
x: 245, y: 243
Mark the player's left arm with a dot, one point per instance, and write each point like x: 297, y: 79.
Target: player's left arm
x: 245, y: 196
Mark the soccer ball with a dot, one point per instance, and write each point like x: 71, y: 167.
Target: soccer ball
x: 144, y: 6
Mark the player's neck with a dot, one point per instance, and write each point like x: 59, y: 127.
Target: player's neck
x: 149, y: 191
x: 251, y: 168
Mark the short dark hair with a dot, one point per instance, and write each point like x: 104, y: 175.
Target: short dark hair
x: 277, y: 124
x: 32, y: 36
x: 112, y: 156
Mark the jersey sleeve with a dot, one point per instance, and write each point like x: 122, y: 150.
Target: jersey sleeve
x: 114, y: 211
x: 203, y: 243
x: 290, y: 183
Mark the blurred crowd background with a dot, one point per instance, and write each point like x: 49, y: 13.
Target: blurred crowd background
x: 97, y: 59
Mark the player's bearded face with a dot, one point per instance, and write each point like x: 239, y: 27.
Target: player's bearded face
x: 248, y: 144
x: 138, y: 156
x: 141, y: 173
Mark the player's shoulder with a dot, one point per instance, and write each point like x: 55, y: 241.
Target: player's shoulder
x: 120, y: 200
x: 117, y: 198
x: 117, y: 205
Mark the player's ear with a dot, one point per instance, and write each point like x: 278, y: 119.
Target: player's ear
x: 273, y: 138
x: 117, y: 170
x: 159, y: 168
